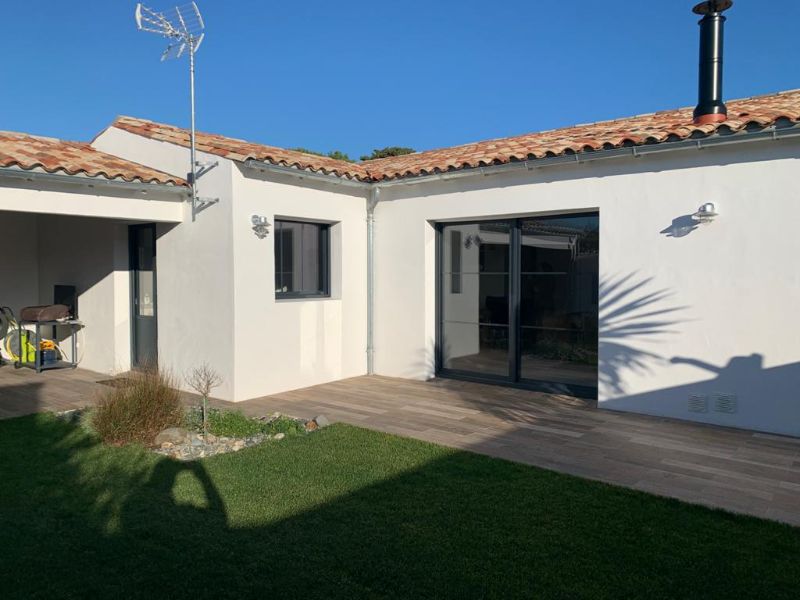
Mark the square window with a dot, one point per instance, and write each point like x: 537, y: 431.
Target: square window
x: 302, y: 259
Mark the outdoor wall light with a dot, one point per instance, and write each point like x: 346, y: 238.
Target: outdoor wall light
x: 706, y: 213
x: 260, y: 226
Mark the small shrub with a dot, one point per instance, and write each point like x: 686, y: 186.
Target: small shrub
x: 284, y: 425
x: 138, y: 410
x: 230, y: 423
x: 235, y: 424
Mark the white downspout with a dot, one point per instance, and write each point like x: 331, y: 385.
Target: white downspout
x: 372, y: 201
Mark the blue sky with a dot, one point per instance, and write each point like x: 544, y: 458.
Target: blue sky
x: 356, y: 75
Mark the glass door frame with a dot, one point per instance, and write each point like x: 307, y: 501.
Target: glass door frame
x: 513, y: 379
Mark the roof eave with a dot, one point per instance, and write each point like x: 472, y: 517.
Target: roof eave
x: 91, y: 182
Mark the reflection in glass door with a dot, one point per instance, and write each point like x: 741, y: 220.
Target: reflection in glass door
x: 475, y: 307
x: 558, y: 309
x: 518, y: 301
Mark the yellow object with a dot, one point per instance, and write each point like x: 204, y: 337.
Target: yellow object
x: 47, y: 345
x: 28, y: 349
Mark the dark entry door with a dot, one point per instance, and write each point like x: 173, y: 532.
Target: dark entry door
x: 518, y: 302
x: 143, y: 295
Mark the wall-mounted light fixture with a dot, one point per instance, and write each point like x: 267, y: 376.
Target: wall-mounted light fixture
x: 706, y: 213
x: 260, y: 226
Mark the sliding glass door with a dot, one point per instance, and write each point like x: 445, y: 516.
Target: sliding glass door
x: 518, y: 301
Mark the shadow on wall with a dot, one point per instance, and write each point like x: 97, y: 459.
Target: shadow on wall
x: 632, y: 315
x: 636, y: 319
x: 742, y: 393
x: 681, y: 226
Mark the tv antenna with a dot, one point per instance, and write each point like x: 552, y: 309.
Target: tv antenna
x: 184, y: 28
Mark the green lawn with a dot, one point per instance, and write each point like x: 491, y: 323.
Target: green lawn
x: 349, y: 513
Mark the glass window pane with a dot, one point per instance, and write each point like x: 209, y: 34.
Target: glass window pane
x: 301, y: 258
x: 568, y: 357
x: 475, y: 303
x: 476, y: 348
x: 145, y: 275
x: 455, y: 260
x: 310, y: 258
x: 558, y: 299
x: 484, y: 299
x: 146, y: 297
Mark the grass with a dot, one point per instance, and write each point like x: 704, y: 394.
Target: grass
x: 350, y: 513
x: 232, y: 423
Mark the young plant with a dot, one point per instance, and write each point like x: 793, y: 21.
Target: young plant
x: 202, y: 380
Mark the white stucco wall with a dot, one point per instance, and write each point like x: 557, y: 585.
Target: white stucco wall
x: 723, y: 294
x: 216, y: 292
x: 194, y: 264
x: 288, y: 344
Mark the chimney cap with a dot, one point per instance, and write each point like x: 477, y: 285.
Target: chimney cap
x: 712, y: 6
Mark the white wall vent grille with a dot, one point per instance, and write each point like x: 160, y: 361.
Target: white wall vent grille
x: 698, y: 403
x: 725, y: 403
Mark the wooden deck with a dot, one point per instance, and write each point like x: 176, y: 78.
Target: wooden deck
x: 23, y: 392
x: 747, y: 472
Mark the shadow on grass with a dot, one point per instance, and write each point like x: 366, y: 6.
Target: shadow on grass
x: 352, y: 513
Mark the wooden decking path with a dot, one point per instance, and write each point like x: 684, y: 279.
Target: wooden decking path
x: 23, y: 392
x: 747, y: 472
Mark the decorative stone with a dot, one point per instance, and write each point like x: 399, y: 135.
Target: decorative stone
x: 321, y: 421
x: 174, y: 435
x: 71, y: 416
x: 179, y: 444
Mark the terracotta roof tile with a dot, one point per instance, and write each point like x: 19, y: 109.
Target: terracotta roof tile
x: 664, y: 126
x: 73, y: 158
x: 671, y: 125
x: 241, y: 150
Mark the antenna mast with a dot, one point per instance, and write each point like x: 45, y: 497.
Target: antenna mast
x: 184, y: 28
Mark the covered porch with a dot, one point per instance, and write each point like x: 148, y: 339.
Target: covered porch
x: 66, y: 212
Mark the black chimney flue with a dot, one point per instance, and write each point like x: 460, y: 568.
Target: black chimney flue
x: 710, y: 107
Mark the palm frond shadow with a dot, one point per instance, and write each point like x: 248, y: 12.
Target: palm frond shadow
x: 631, y: 315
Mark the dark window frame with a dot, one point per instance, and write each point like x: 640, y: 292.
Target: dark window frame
x: 324, y: 261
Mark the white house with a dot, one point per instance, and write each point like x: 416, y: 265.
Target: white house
x: 567, y: 260
x: 645, y: 261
